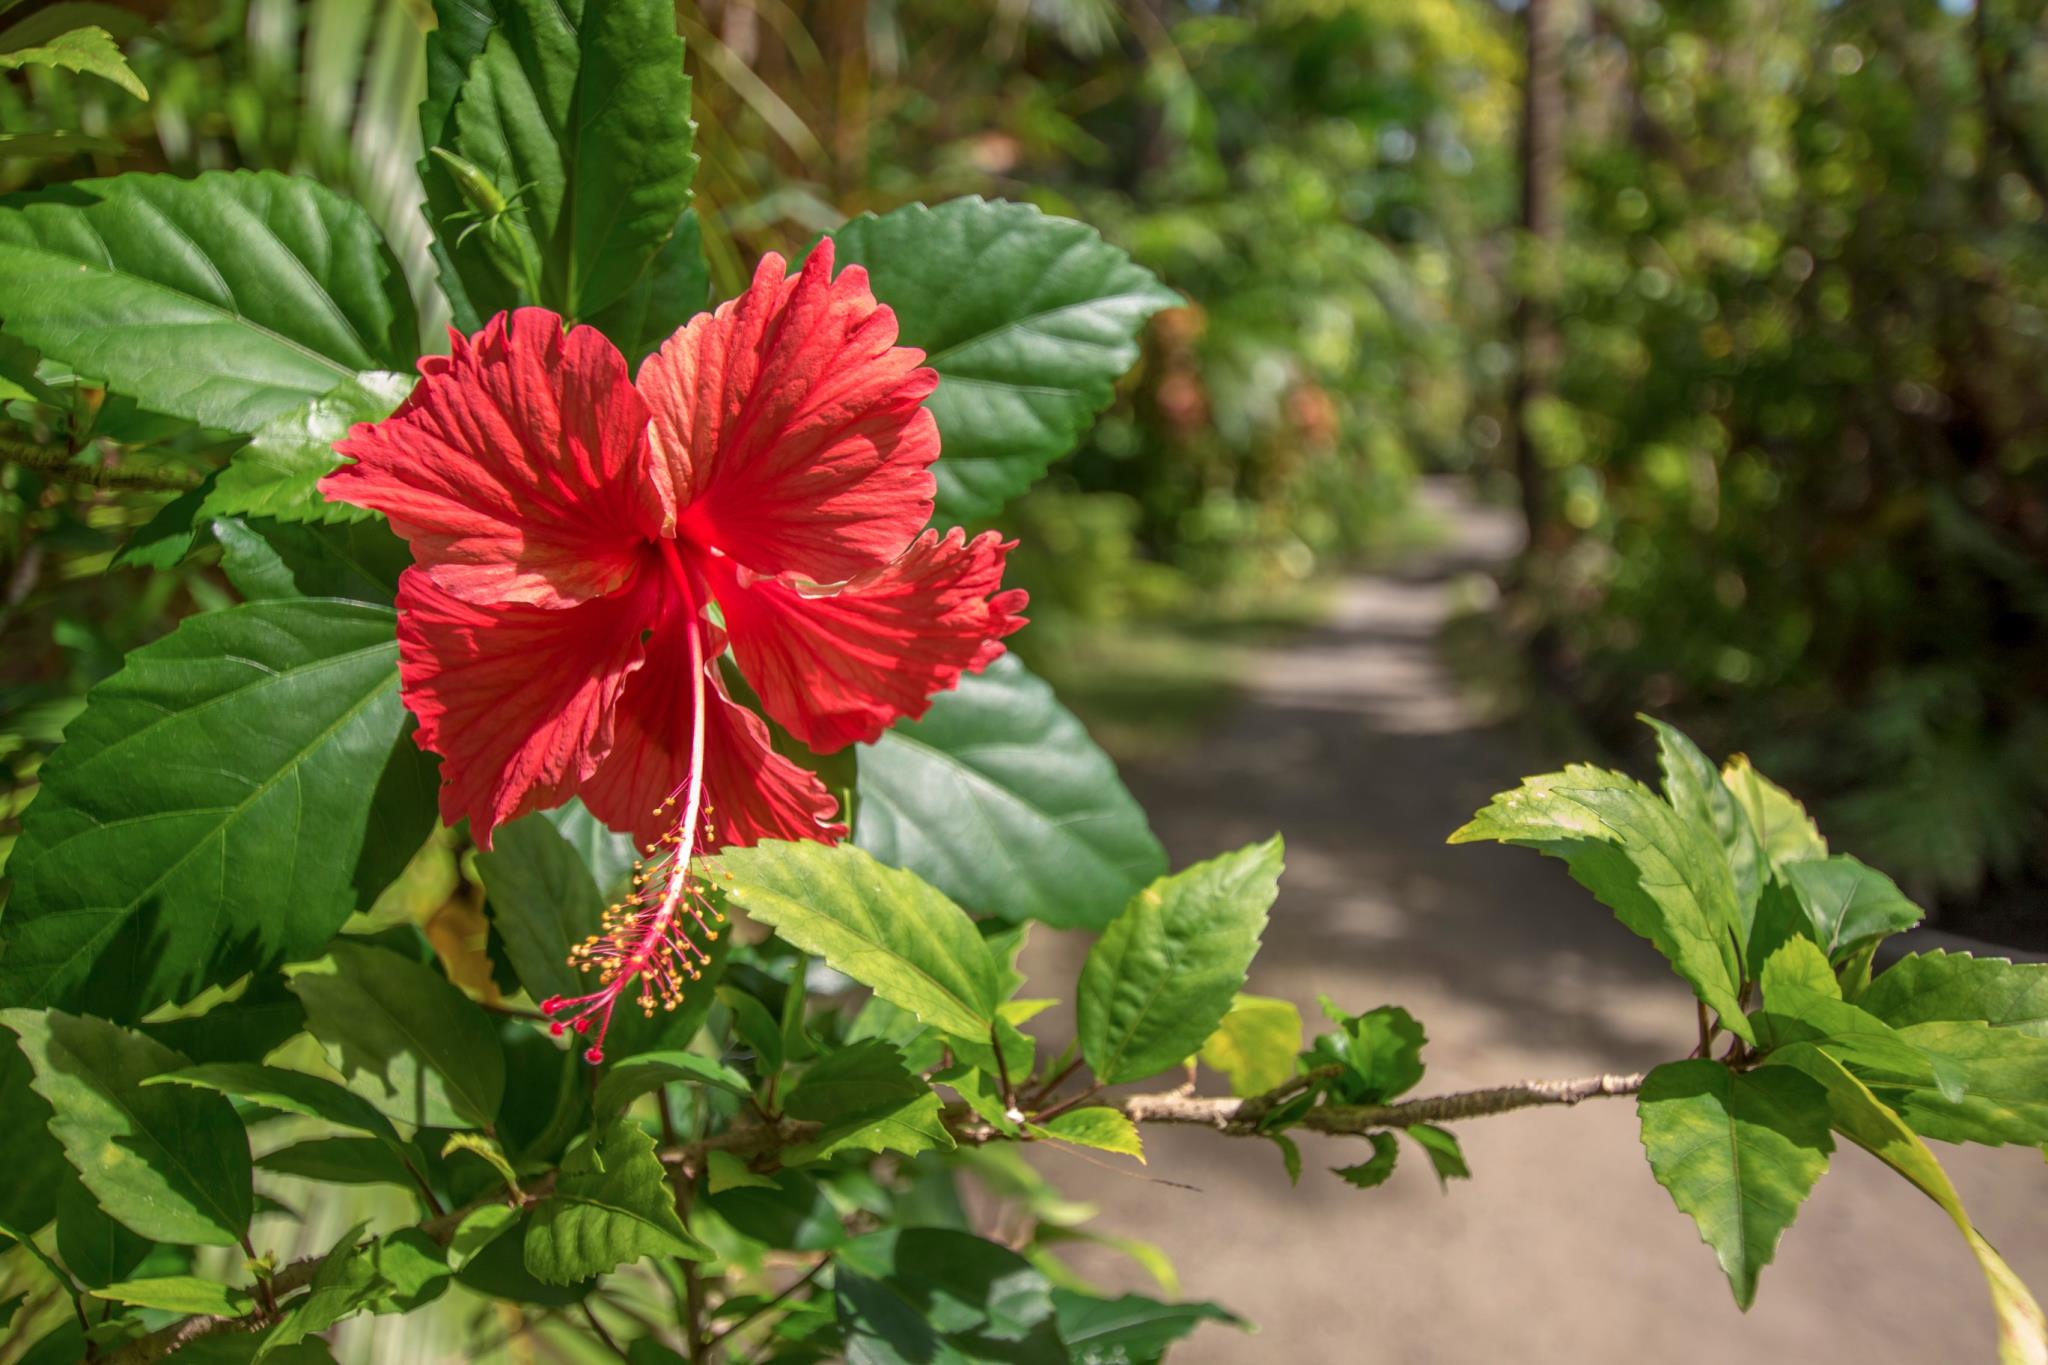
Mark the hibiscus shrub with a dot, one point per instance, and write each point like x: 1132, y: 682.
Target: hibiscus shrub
x: 592, y: 860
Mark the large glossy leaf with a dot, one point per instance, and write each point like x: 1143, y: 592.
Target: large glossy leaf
x: 579, y: 117
x: 402, y: 1037
x: 170, y: 1163
x: 204, y: 815
x: 1803, y: 1003
x: 290, y: 1092
x: 1784, y: 830
x: 1029, y: 320
x: 277, y: 473
x: 611, y: 1204
x: 1739, y: 1151
x: 885, y: 928
x: 1857, y: 1114
x: 270, y: 560
x: 1922, y: 987
x: 1662, y: 874
x: 676, y: 288
x: 1131, y: 1330
x: 999, y: 798
x: 31, y: 1156
x: 1163, y: 975
x: 2000, y: 1092
x: 229, y: 299
x: 933, y: 1296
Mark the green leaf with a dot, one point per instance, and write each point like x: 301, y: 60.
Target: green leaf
x: 339, y: 1161
x: 270, y: 560
x: 675, y: 288
x: 1739, y: 1152
x: 886, y: 929
x: 479, y: 1228
x: 345, y: 1283
x: 584, y: 123
x: 1367, y: 1174
x: 228, y: 299
x: 403, y: 1037
x: 608, y: 854
x: 1664, y: 876
x: 999, y: 798
x: 244, y: 1029
x: 1256, y: 1044
x: 1098, y: 1126
x: 1445, y: 1154
x: 29, y: 1152
x: 1783, y: 828
x: 96, y: 1249
x: 2000, y: 1093
x: 933, y: 1296
x: 724, y: 1171
x: 1381, y: 1051
x: 1857, y: 1114
x: 170, y: 1163
x: 1163, y: 975
x: 1922, y: 987
x: 486, y: 1150
x: 790, y: 1213
x: 868, y: 1101
x: 90, y: 50
x: 1802, y: 1003
x: 612, y: 1203
x: 1848, y: 902
x: 1030, y: 321
x: 628, y: 1078
x: 1132, y: 1330
x: 292, y: 1092
x: 278, y: 472
x: 414, y: 1267
x: 185, y: 1295
x: 171, y: 845
x: 1695, y: 789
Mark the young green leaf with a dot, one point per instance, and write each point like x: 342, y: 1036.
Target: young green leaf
x: 1256, y: 1045
x: 1380, y: 1052
x: 166, y: 851
x: 1030, y: 321
x: 1857, y: 1114
x: 1446, y: 1155
x: 886, y: 929
x: 612, y: 1203
x: 1922, y: 987
x: 346, y: 1283
x: 228, y: 299
x: 1663, y: 875
x: 170, y: 1163
x: 403, y: 1037
x: 1783, y: 828
x: 89, y: 49
x: 1163, y: 975
x: 1132, y: 1330
x: 1375, y: 1170
x: 187, y: 1295
x: 1695, y: 789
x: 2000, y: 1093
x: 277, y: 474
x: 1802, y: 1003
x: 1098, y: 1126
x: 1000, y: 799
x: 1739, y: 1152
x: 1848, y: 902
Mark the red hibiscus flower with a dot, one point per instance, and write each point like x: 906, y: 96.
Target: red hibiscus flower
x: 571, y: 530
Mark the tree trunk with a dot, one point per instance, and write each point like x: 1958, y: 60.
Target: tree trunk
x: 1541, y: 224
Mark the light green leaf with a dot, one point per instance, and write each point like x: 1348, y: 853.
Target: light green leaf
x: 187, y: 1295
x: 486, y: 1150
x: 999, y: 798
x: 229, y: 299
x: 1857, y: 1114
x: 1739, y: 1152
x: 90, y: 50
x: 278, y: 472
x: 1664, y: 876
x: 886, y: 929
x: 169, y: 1163
x: 1446, y: 1156
x: 1099, y: 1126
x: 1131, y: 1330
x: 628, y: 1078
x: 582, y: 121
x: 1783, y: 828
x: 1802, y: 1003
x: 1381, y: 1051
x: 1922, y: 987
x: 1163, y: 975
x: 166, y: 851
x: 478, y: 1229
x: 723, y: 1171
x: 2001, y: 1084
x: 345, y: 1284
x: 612, y: 1203
x: 403, y: 1037
x: 1695, y: 789
x: 1849, y: 902
x: 1030, y: 321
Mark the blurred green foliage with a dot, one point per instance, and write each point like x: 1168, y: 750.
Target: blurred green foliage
x: 1796, y: 488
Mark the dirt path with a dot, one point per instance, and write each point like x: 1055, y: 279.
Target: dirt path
x: 1353, y: 743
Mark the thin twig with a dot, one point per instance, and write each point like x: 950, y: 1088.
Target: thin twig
x: 590, y: 1317
x: 782, y: 1296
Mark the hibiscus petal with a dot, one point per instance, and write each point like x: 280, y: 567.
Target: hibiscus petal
x: 518, y: 700
x: 752, y: 792
x: 840, y: 669
x: 519, y: 468
x: 791, y: 425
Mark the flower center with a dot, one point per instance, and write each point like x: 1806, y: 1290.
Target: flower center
x: 651, y: 936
